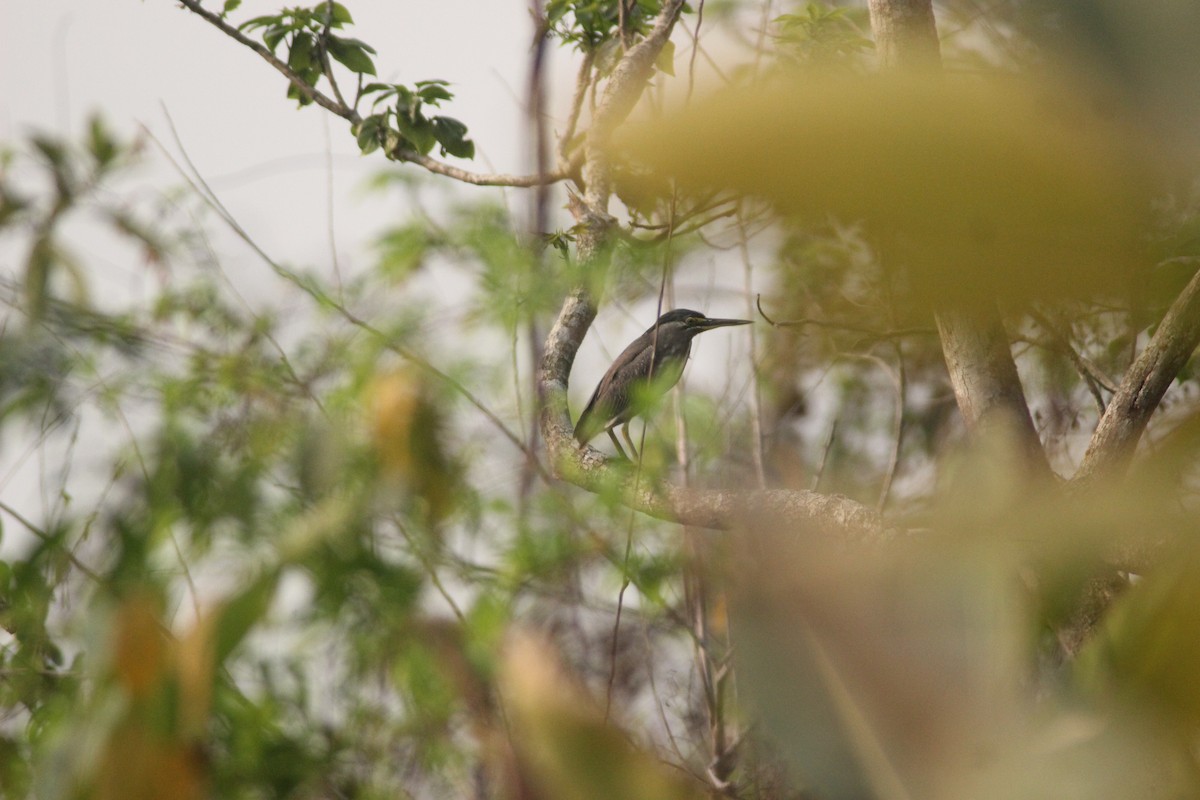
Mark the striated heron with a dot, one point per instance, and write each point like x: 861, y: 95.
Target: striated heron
x: 645, y: 370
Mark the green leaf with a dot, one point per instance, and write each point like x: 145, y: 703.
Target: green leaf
x: 357, y: 43
x: 666, y: 59
x: 368, y: 133
x: 241, y: 612
x: 433, y: 92
x: 300, y: 56
x: 341, y: 16
x: 417, y: 131
x: 261, y: 22
x: 230, y: 5
x: 51, y: 150
x: 300, y: 97
x: 401, y: 250
x: 352, y: 54
x: 555, y: 10
x: 405, y: 102
x: 100, y: 142
x: 273, y: 36
x: 452, y: 136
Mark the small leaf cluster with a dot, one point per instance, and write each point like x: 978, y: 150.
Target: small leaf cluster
x: 399, y: 121
x: 587, y: 24
x: 75, y: 175
x: 595, y: 26
x: 307, y: 34
x: 822, y: 34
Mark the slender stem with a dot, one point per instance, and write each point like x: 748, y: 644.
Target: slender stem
x: 756, y: 427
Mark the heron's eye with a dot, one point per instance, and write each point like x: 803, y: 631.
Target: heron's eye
x: 694, y: 320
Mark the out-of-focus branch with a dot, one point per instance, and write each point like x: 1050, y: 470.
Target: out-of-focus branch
x: 583, y: 81
x: 799, y: 510
x: 1093, y: 378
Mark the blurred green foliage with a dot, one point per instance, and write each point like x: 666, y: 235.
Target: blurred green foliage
x: 311, y: 543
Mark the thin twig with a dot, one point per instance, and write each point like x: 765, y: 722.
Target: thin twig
x: 323, y: 299
x: 47, y: 538
x: 756, y: 429
x: 1092, y: 376
x: 695, y: 50
x: 901, y: 380
x: 326, y: 66
x: 895, y: 333
x: 583, y: 80
x: 816, y: 484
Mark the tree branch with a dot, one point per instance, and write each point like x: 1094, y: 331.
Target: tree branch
x: 976, y: 346
x: 478, y: 178
x: 905, y: 33
x: 310, y: 92
x: 349, y: 114
x: 588, y: 468
x: 1143, y: 387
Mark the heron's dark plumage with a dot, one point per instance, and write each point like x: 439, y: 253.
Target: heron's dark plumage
x: 655, y: 358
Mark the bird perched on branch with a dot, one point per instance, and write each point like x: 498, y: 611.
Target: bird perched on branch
x: 643, y: 372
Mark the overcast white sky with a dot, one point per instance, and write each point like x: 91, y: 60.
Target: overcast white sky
x: 60, y: 60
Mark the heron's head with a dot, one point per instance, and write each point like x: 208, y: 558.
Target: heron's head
x: 684, y: 320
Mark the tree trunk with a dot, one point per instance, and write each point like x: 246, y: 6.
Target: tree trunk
x: 976, y: 346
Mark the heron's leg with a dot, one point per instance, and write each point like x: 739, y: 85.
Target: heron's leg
x: 617, y: 444
x: 632, y: 449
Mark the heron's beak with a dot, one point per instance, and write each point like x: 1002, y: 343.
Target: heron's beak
x: 711, y: 323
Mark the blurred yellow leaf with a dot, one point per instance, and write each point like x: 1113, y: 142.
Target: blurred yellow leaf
x: 406, y: 427
x: 564, y: 743
x: 981, y: 188
x: 1147, y: 651
x: 196, y: 660
x: 140, y: 648
x: 394, y: 401
x: 155, y: 748
x: 141, y: 764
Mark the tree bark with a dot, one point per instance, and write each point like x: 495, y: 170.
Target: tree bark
x: 975, y: 345
x: 905, y: 34
x: 1143, y: 387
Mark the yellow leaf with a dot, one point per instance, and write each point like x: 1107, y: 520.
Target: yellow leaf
x: 980, y: 188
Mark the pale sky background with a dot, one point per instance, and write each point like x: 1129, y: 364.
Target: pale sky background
x: 60, y: 60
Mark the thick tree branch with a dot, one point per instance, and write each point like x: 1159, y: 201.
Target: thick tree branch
x: 905, y: 34
x: 1144, y: 385
x: 976, y: 346
x: 984, y: 376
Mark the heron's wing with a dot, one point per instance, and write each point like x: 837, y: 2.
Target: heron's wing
x: 623, y: 378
